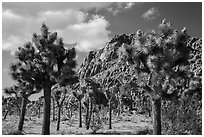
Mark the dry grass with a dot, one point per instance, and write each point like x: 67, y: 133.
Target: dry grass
x: 123, y: 125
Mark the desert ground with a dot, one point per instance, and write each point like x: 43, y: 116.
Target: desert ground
x: 121, y: 125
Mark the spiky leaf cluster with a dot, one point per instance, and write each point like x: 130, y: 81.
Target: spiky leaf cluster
x: 23, y: 89
x: 59, y: 93
x: 10, y: 102
x: 45, y: 61
x: 163, y: 57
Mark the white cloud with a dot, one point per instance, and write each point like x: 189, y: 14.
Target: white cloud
x: 5, y: 69
x: 59, y: 19
x: 129, y: 5
x: 12, y: 42
x: 89, y: 35
x: 21, y: 20
x: 118, y: 7
x: 16, y: 30
x: 13, y: 30
x: 71, y: 25
x: 11, y: 20
x: 32, y: 8
x: 97, y: 5
x: 8, y: 14
x: 151, y: 14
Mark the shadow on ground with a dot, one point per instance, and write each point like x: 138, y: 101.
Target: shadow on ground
x: 142, y: 132
x: 113, y: 133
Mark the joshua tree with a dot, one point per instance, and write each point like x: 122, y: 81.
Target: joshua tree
x: 194, y: 81
x: 79, y: 96
x: 25, y: 90
x: 161, y: 61
x: 94, y: 96
x: 110, y: 94
x: 9, y: 104
x: 38, y: 104
x: 111, y: 89
x: 60, y: 94
x: 44, y: 63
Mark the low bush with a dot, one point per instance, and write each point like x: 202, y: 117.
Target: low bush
x: 182, y: 117
x: 98, y: 120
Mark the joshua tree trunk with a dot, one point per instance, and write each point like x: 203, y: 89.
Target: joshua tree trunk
x: 90, y: 113
x: 80, y: 117
x: 53, y: 109
x: 39, y: 111
x: 23, y: 112
x: 70, y: 111
x: 58, y: 119
x: 156, y: 113
x: 46, y: 113
x: 5, y: 115
x: 87, y: 114
x: 110, y: 109
x: 62, y: 110
x: 149, y: 109
x: 120, y: 108
x: 18, y: 110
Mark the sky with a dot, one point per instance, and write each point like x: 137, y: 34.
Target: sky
x: 89, y: 26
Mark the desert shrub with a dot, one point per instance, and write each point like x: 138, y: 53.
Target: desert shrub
x: 70, y: 121
x: 98, y: 120
x: 145, y: 131
x: 142, y: 103
x: 64, y: 118
x: 183, y: 116
x: 7, y: 128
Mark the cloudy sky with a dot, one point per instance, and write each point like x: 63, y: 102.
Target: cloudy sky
x: 89, y: 25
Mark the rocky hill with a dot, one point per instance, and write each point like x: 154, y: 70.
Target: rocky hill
x: 106, y: 67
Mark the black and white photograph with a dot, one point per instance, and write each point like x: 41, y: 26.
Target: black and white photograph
x: 101, y: 68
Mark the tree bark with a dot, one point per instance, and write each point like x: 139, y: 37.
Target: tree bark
x: 39, y: 111
x: 156, y: 113
x: 5, y: 115
x: 149, y: 109
x: 58, y: 119
x: 80, y: 116
x: 120, y: 106
x: 90, y: 113
x: 53, y: 109
x: 110, y: 109
x: 46, y: 113
x: 87, y: 114
x: 62, y: 110
x: 18, y: 110
x: 23, y: 112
